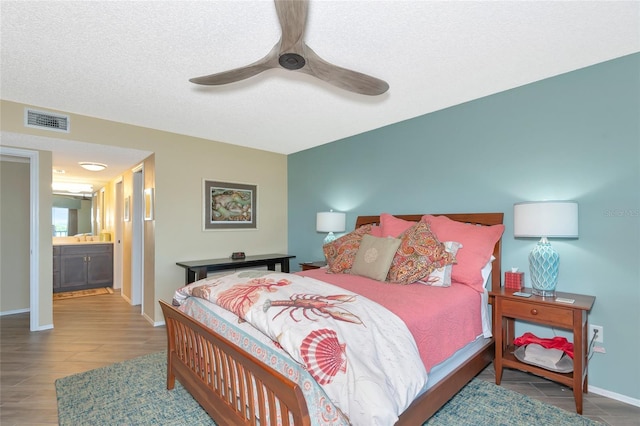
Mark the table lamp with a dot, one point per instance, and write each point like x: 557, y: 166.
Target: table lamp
x: 545, y: 219
x: 330, y: 222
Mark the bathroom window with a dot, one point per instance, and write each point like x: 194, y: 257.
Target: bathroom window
x: 60, y: 219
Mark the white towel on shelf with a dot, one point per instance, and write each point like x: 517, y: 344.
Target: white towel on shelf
x: 545, y: 357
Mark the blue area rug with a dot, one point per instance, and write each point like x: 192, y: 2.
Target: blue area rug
x: 134, y: 393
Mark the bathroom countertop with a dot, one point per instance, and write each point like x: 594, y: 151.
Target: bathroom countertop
x: 67, y: 241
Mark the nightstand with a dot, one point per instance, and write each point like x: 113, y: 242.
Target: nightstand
x: 544, y: 311
x: 313, y: 265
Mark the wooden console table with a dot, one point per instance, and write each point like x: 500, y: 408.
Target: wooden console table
x: 197, y: 269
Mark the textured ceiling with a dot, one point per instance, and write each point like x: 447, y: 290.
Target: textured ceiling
x: 130, y: 61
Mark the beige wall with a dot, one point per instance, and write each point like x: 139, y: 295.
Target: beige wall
x: 180, y: 163
x: 14, y: 236
x: 17, y: 218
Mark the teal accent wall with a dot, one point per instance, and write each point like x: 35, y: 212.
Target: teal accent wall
x: 575, y: 136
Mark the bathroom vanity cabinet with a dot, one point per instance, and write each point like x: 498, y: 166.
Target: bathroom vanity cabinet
x: 82, y: 266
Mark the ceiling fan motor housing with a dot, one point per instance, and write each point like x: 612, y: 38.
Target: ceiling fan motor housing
x: 291, y: 61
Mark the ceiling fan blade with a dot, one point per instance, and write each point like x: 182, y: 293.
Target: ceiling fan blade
x: 242, y: 73
x: 292, y: 15
x: 352, y: 81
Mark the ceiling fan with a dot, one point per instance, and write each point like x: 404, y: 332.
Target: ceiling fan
x: 292, y: 53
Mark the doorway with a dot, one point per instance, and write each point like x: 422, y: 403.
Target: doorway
x: 34, y: 187
x: 32, y: 156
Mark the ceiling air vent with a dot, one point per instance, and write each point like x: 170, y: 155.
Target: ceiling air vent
x: 46, y: 120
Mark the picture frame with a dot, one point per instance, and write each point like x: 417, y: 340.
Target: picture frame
x: 126, y: 215
x: 228, y: 205
x: 148, y: 204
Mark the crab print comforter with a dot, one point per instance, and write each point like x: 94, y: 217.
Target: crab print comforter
x: 361, y: 354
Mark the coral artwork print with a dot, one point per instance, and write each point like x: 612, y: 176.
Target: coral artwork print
x: 239, y: 298
x: 229, y: 205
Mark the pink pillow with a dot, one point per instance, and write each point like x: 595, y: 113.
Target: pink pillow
x: 391, y: 226
x: 376, y: 231
x: 477, y: 247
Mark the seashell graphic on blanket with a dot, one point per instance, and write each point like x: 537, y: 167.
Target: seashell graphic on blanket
x: 203, y: 291
x: 324, y: 355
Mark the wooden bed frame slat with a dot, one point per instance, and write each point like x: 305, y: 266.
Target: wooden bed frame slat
x: 235, y: 388
x: 224, y: 380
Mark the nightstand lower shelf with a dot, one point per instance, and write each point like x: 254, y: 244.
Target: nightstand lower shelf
x: 510, y: 361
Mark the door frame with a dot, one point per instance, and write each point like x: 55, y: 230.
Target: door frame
x: 137, y: 245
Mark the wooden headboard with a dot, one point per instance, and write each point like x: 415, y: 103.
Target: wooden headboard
x: 481, y: 219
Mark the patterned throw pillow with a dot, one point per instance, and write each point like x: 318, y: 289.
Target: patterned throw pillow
x: 341, y: 252
x: 374, y: 257
x: 419, y: 254
x: 441, y: 277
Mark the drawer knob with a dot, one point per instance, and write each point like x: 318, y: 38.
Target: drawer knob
x: 534, y: 312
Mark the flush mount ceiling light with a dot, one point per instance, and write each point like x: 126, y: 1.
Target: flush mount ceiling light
x: 94, y: 167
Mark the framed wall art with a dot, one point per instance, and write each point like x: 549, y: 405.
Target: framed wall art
x: 148, y: 204
x: 229, y: 205
x: 127, y: 208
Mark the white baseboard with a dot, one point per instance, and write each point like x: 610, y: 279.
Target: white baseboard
x: 613, y: 395
x: 152, y: 322
x: 15, y: 311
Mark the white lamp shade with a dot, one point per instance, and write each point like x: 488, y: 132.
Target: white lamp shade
x: 557, y: 219
x: 330, y: 222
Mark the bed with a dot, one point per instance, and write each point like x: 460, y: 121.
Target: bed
x: 239, y: 380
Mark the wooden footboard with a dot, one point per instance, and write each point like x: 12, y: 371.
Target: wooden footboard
x: 232, y: 386
x: 222, y: 378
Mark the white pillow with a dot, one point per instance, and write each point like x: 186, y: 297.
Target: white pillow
x: 486, y: 271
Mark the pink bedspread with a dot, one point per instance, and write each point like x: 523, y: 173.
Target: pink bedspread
x: 441, y: 319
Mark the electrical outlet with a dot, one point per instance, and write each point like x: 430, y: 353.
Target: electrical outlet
x: 599, y: 336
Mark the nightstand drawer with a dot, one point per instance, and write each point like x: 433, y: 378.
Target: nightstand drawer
x: 530, y: 311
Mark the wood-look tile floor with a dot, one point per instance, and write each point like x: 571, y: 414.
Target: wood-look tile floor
x: 92, y: 332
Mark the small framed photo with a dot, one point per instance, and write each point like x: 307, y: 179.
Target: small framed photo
x: 229, y: 205
x: 126, y: 215
x: 148, y: 204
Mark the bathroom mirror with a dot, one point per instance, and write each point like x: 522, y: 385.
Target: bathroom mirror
x: 72, y: 215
